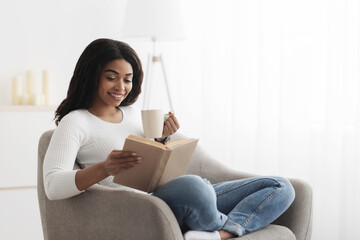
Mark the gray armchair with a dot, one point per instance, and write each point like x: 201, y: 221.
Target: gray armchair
x: 104, y: 213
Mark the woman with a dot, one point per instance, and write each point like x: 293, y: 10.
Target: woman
x: 93, y: 122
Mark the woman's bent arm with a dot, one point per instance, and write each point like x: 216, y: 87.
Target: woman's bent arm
x: 87, y: 177
x: 116, y: 162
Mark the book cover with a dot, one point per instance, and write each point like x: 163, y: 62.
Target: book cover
x: 160, y: 163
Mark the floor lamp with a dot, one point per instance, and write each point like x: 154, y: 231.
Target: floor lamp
x: 154, y: 59
x: 155, y: 20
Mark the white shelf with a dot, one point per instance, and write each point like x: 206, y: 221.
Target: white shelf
x: 17, y: 188
x: 26, y: 108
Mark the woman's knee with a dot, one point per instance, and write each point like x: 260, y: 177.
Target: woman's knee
x: 188, y: 186
x: 195, y: 187
x: 188, y: 179
x: 287, y: 190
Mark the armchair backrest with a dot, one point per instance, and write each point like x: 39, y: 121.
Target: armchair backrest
x: 45, y: 204
x: 43, y: 201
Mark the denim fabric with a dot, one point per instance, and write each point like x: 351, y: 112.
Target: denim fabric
x: 239, y: 207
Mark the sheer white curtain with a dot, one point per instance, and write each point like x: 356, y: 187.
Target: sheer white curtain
x: 273, y: 87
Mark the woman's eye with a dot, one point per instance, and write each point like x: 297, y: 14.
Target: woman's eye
x: 128, y: 80
x: 111, y: 78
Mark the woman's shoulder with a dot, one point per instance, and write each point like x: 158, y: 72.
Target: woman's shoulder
x: 73, y: 125
x: 78, y: 115
x: 76, y: 118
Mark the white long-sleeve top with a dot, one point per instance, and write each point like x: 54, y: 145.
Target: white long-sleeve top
x: 86, y: 137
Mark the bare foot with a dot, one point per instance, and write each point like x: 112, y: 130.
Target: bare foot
x: 225, y: 235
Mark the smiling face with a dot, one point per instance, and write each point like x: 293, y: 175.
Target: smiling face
x: 115, y: 84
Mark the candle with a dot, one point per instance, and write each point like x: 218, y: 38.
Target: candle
x: 30, y: 85
x: 46, y: 83
x: 42, y: 99
x: 16, y: 90
x: 36, y: 99
x: 24, y: 99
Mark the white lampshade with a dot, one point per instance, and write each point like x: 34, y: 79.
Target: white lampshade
x: 154, y: 19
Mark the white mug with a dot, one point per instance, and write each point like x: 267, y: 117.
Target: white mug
x: 153, y: 122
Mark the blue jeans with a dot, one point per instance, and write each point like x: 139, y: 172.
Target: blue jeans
x: 239, y: 206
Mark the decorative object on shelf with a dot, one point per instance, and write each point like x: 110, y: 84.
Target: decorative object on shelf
x: 17, y: 90
x: 155, y: 20
x: 30, y: 95
x: 46, y: 89
x: 30, y: 88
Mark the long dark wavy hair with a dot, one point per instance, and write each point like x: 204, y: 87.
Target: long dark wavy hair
x: 85, y: 80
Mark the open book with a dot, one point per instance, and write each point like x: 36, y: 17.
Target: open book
x: 160, y: 163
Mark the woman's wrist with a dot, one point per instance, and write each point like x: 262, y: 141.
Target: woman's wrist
x: 103, y: 169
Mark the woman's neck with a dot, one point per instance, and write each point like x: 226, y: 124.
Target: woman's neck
x: 108, y: 114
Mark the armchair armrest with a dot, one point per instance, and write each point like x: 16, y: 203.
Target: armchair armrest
x: 298, y: 217
x: 99, y: 214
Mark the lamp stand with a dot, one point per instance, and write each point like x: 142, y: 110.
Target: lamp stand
x: 152, y: 61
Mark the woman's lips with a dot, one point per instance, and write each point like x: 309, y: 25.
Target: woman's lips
x: 117, y: 96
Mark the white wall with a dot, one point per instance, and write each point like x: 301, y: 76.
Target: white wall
x: 42, y: 34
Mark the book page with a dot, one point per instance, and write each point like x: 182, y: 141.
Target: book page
x: 147, y: 141
x: 141, y: 175
x: 179, y: 142
x: 179, y: 161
